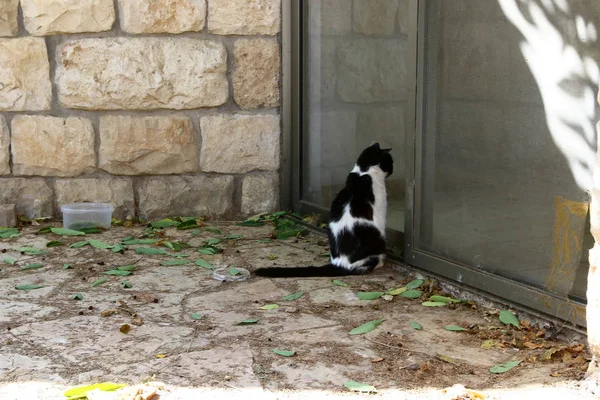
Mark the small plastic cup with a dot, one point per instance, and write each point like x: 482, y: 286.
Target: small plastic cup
x: 87, y: 215
x: 225, y: 274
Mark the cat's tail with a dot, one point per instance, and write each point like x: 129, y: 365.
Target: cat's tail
x: 302, y: 272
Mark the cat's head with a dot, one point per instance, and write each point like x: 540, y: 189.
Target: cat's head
x: 375, y: 156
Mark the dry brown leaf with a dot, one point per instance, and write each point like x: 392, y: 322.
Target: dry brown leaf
x: 555, y: 374
x: 540, y: 333
x: 578, y: 348
x: 488, y: 344
x: 376, y: 360
x: 525, y: 324
x: 532, y: 346
x: 447, y: 359
x: 137, y: 321
x: 108, y: 312
x: 125, y: 328
x: 548, y: 354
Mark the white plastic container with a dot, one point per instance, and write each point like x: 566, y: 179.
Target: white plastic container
x: 87, y: 215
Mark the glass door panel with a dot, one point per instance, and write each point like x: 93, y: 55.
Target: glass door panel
x: 355, y: 92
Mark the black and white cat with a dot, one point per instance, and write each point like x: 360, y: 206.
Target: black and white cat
x: 356, y: 227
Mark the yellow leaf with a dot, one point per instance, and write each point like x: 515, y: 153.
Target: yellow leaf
x: 397, y: 292
x: 161, y: 356
x: 448, y: 359
x: 488, y: 344
x: 82, y: 391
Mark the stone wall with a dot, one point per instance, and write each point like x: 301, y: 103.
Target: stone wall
x: 161, y: 107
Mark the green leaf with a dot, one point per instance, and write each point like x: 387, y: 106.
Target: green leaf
x: 117, y: 248
x: 7, y: 233
x: 126, y: 268
x: 77, y: 296
x: 252, y: 223
x: 32, y: 266
x: 92, y: 230
x: 97, y: 244
x: 434, y: 304
x: 175, y: 262
x: 169, y: 245
x: 66, y: 266
x: 210, y: 251
x: 412, y: 294
x: 126, y: 285
x: 359, y: 387
x: 415, y: 284
x: 269, y: 306
x: 66, y: 232
x: 416, y: 325
x: 508, y: 318
x: 151, y: 251
x: 31, y: 250
x: 126, y: 238
x: 98, y: 282
x: 204, y: 264
x: 213, y: 230
x: 288, y: 233
x: 443, y: 299
x: 197, y: 316
x: 28, y: 287
x: 502, y: 368
x: 196, y: 232
x: 264, y: 240
x: 139, y: 241
x: 163, y: 223
x: 293, y: 296
x: 366, y: 327
x: 234, y: 271
x: 369, y: 295
x: 46, y: 229
x: 189, y: 224
x: 285, y: 353
x: 234, y: 236
x: 117, y: 272
x: 82, y: 391
x: 79, y: 244
x: 54, y: 243
x: 213, y: 241
x: 455, y: 328
x: 248, y: 321
x: 397, y: 292
x: 339, y: 283
x: 9, y: 260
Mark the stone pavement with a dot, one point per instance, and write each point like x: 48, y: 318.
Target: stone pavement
x: 184, y: 326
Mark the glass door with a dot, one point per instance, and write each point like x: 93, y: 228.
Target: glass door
x: 355, y: 91
x: 505, y: 146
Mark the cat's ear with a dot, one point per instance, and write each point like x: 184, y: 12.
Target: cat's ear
x: 386, y: 150
x: 375, y: 145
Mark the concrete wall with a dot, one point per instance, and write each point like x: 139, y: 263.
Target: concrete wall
x: 162, y: 107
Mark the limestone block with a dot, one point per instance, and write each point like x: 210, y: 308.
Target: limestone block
x: 9, y: 9
x: 374, y: 17
x: 238, y: 143
x: 162, y: 16
x: 371, y: 70
x: 141, y: 73
x: 52, y: 146
x: 260, y: 193
x: 256, y: 74
x: 403, y: 17
x: 116, y: 191
x: 330, y: 17
x: 147, y: 145
x: 186, y: 195
x: 8, y: 215
x: 244, y: 17
x: 4, y: 147
x: 32, y: 197
x: 47, y: 17
x: 24, y: 75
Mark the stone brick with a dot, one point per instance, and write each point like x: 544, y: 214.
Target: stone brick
x: 4, y: 147
x: 52, y: 146
x: 47, y: 17
x: 117, y: 191
x: 8, y: 215
x: 371, y: 70
x: 33, y: 197
x: 244, y: 17
x: 238, y: 143
x: 256, y: 74
x: 331, y: 17
x: 142, y: 73
x: 186, y: 195
x: 24, y: 75
x: 374, y: 17
x: 403, y: 17
x: 147, y: 145
x: 9, y: 10
x: 162, y: 16
x: 260, y: 193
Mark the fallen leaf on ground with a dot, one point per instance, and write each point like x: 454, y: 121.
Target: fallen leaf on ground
x: 339, y: 283
x: 77, y: 296
x: 454, y: 328
x: 161, y: 356
x: 197, y: 316
x: 369, y: 295
x: 204, y: 264
x: 416, y: 325
x: 28, y: 287
x: 108, y: 312
x: 66, y: 232
x: 79, y: 244
x: 397, y: 292
x: 434, y: 304
x: 443, y: 299
x: 81, y: 391
x: 117, y: 272
x: 32, y: 266
x: 175, y: 262
x: 234, y: 271
x: 508, y: 318
x: 54, y: 243
x: 366, y: 327
x: 9, y: 260
x: 269, y: 306
x: 448, y: 359
x: 151, y: 251
x: 248, y: 321
x: 359, y: 387
x: 531, y: 345
x: 293, y: 296
x: 98, y: 282
x: 415, y: 284
x: 502, y: 368
x: 125, y: 328
x: 547, y: 355
x: 376, y: 360
x: 126, y: 285
x: 285, y: 353
x: 488, y: 344
x: 412, y: 294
